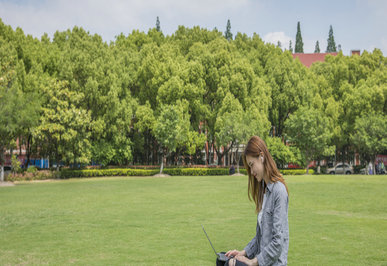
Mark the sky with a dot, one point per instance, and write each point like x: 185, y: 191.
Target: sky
x: 357, y: 24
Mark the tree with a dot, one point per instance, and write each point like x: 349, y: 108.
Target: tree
x: 64, y: 128
x: 227, y: 33
x: 317, y: 48
x: 281, y: 153
x: 279, y: 45
x: 370, y: 135
x: 158, y: 24
x: 331, y: 47
x: 309, y: 129
x: 171, y: 129
x: 299, y: 48
x: 290, y: 46
x: 235, y: 126
x: 288, y: 84
x: 18, y: 109
x: 227, y: 125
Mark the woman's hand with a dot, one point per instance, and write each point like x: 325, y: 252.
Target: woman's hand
x: 233, y: 253
x: 245, y: 260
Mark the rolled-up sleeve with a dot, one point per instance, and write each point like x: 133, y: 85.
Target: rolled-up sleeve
x: 251, y: 248
x: 271, y: 252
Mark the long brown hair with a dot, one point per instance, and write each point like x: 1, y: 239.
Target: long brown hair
x: 255, y: 146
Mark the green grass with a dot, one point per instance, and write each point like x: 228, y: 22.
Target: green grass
x: 334, y: 220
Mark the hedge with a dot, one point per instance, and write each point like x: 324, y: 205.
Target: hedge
x: 41, y: 175
x: 168, y: 171
x: 295, y: 171
x: 107, y: 172
x: 36, y: 175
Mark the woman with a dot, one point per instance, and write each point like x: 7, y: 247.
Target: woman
x: 269, y: 192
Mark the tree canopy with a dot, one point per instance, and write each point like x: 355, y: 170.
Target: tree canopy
x: 147, y: 96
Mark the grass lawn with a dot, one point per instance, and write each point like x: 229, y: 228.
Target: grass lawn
x: 334, y: 220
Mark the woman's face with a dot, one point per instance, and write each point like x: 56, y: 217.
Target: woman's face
x: 256, y: 166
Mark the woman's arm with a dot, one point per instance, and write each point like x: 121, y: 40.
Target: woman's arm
x: 251, y: 248
x: 272, y: 251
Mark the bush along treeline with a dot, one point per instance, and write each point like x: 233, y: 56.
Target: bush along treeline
x: 64, y: 174
x: 150, y: 98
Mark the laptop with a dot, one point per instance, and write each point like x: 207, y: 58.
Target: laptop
x: 221, y: 256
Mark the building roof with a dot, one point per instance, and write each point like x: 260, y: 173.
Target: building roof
x: 308, y: 59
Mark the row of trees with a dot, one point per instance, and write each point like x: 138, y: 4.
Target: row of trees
x: 147, y: 96
x: 299, y: 47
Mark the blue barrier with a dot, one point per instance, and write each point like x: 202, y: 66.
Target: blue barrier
x: 40, y: 163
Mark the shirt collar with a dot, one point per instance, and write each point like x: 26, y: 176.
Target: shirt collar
x: 270, y: 187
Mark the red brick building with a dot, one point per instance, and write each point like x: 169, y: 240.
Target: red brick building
x: 308, y: 59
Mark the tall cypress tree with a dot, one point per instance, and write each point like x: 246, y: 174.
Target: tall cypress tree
x: 317, y: 48
x: 299, y: 48
x: 331, y: 42
x: 158, y: 25
x: 228, y: 33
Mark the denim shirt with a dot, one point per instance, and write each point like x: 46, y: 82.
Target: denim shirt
x: 271, y: 243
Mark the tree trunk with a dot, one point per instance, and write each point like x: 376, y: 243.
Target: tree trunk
x: 373, y: 164
x: 318, y: 166
x: 221, y: 154
x: 28, y: 151
x: 2, y: 172
x: 57, y: 159
x: 238, y: 157
x: 162, y: 164
x: 307, y: 168
x: 2, y: 165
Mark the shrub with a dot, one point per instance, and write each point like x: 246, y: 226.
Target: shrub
x: 69, y: 173
x: 107, y: 172
x: 36, y: 175
x: 196, y: 171
x: 15, y: 164
x: 32, y: 169
x: 295, y: 171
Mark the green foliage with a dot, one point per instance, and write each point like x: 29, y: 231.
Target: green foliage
x: 290, y: 46
x: 296, y: 171
x: 158, y: 24
x: 15, y: 164
x: 299, y: 48
x: 317, y: 48
x: 169, y: 171
x: 227, y: 33
x: 64, y: 127
x: 309, y: 129
x: 145, y: 96
x: 172, y: 126
x: 196, y: 171
x: 281, y: 153
x: 331, y: 46
x: 32, y: 175
x: 107, y: 172
x: 32, y: 169
x: 19, y: 106
x: 370, y: 135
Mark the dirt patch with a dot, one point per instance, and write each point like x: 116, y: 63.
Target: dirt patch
x: 236, y: 174
x: 36, y: 181
x: 161, y: 175
x: 6, y: 184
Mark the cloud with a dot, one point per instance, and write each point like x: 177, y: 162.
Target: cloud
x: 110, y: 18
x: 384, y: 46
x: 274, y: 37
